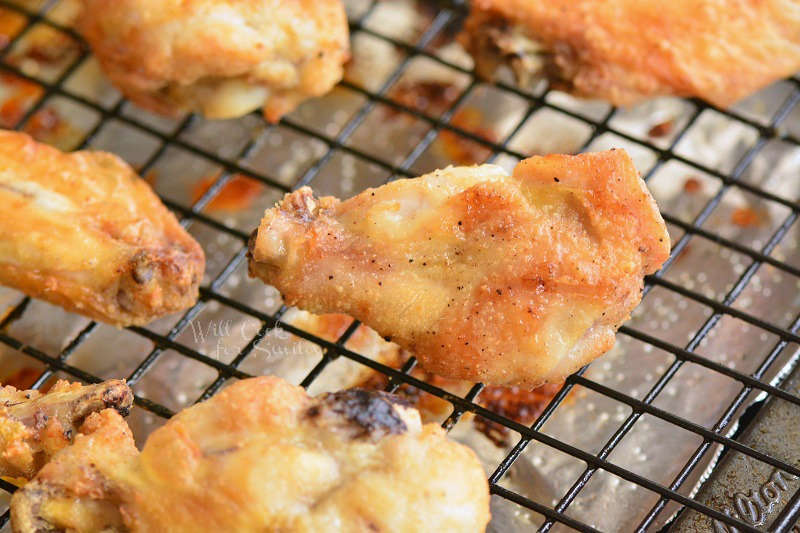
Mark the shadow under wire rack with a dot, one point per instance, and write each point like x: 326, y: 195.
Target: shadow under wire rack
x: 623, y: 443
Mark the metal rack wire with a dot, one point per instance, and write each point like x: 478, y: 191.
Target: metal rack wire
x: 445, y: 16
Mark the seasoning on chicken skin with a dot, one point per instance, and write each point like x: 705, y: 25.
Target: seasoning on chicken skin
x: 507, y: 280
x: 262, y: 455
x: 223, y: 58
x: 83, y: 231
x: 34, y: 426
x: 625, y: 51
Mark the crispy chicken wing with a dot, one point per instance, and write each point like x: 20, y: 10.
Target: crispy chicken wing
x: 224, y: 58
x: 262, y: 456
x: 33, y: 426
x: 625, y: 51
x: 488, y: 277
x: 83, y: 231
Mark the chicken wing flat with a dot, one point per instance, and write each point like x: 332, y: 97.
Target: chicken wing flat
x: 83, y: 231
x: 262, y: 456
x: 34, y: 426
x: 224, y: 58
x: 625, y: 51
x: 517, y: 279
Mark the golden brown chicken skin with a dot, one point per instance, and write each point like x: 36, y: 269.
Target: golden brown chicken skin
x: 625, y: 51
x: 34, y: 426
x: 83, y: 231
x: 223, y: 58
x: 517, y: 279
x: 262, y: 456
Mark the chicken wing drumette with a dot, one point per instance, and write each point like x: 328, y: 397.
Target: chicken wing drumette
x: 262, y: 456
x: 83, y: 231
x: 625, y: 51
x: 34, y: 426
x: 223, y: 58
x: 487, y: 277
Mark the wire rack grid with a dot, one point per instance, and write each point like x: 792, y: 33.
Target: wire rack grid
x: 768, y: 128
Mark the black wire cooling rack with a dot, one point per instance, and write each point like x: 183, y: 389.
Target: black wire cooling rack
x: 443, y: 18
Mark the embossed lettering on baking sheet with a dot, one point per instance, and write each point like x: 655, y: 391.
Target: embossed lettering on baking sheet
x: 755, y: 506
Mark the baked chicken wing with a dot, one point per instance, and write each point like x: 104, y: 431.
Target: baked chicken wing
x: 223, y: 58
x: 83, y: 231
x: 262, y: 456
x: 517, y: 279
x: 34, y: 426
x: 625, y: 51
